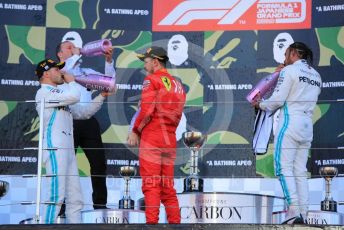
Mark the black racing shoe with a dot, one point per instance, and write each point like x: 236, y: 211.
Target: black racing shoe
x: 298, y: 220
x: 294, y: 220
x: 95, y: 207
x: 289, y: 221
x: 304, y: 219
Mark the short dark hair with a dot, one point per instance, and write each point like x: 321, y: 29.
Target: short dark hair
x: 303, y: 51
x: 162, y: 62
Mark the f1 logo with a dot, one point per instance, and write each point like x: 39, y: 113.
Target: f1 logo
x: 193, y: 15
x: 222, y: 10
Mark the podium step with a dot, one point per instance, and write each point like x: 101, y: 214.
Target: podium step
x: 166, y: 226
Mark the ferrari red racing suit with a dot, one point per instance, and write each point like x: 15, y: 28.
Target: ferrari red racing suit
x: 162, y: 104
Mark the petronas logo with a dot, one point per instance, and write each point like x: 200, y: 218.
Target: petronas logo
x: 167, y: 83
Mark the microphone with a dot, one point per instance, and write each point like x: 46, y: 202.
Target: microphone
x: 95, y: 48
x: 97, y: 82
x: 264, y: 86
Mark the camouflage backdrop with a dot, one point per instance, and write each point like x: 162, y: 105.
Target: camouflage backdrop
x: 218, y: 69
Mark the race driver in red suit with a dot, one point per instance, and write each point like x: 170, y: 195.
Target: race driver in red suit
x: 162, y: 104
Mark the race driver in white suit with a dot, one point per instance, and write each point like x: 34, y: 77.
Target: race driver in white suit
x: 296, y: 94
x: 59, y: 157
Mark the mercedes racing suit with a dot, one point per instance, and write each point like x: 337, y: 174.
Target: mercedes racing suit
x: 58, y: 156
x: 162, y: 104
x: 296, y: 94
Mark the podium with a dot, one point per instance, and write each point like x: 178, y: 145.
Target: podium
x: 225, y: 207
x: 113, y: 216
x: 316, y: 217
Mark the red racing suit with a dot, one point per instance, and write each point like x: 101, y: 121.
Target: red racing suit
x: 162, y: 103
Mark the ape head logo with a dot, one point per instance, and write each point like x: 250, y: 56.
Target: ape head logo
x: 280, y: 45
x: 177, y: 49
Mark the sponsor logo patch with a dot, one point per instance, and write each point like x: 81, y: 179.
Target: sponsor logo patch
x: 167, y: 83
x: 145, y: 84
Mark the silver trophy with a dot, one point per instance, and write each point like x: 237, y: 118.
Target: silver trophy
x: 194, y: 141
x: 328, y: 173
x: 127, y: 172
x: 4, y: 185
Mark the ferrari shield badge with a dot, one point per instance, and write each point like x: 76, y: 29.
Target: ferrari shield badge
x: 167, y: 83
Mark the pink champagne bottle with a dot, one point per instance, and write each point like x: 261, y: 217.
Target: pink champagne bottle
x: 264, y: 86
x: 97, y: 82
x: 96, y: 48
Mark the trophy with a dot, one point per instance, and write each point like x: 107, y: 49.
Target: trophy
x: 126, y: 172
x: 3, y: 188
x: 328, y: 173
x: 194, y: 141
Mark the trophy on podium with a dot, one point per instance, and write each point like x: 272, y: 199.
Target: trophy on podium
x: 194, y: 141
x: 3, y: 188
x: 127, y: 172
x: 328, y: 173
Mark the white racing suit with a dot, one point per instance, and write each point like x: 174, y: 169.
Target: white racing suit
x: 58, y: 156
x: 296, y: 94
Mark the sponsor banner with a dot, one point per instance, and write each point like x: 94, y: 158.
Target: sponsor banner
x: 202, y: 15
x: 332, y: 84
x: 24, y: 162
x: 226, y: 106
x: 118, y: 155
x: 213, y: 161
x: 228, y: 160
x: 327, y: 13
x: 330, y: 157
x: 128, y: 15
x: 18, y: 85
x: 23, y: 12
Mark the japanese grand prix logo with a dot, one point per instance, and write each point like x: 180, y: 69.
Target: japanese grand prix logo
x: 202, y: 15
